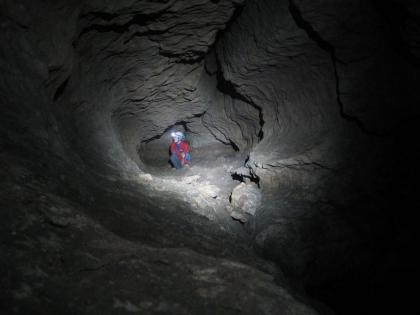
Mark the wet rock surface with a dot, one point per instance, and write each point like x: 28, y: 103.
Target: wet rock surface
x: 302, y: 122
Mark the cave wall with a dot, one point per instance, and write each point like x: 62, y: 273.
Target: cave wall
x: 155, y: 55
x: 321, y: 95
x: 76, y: 237
x: 324, y: 74
x: 337, y: 92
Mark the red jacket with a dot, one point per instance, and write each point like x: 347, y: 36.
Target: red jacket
x: 180, y: 149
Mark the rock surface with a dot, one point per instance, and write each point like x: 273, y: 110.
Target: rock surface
x: 315, y: 102
x: 245, y: 200
x: 67, y: 263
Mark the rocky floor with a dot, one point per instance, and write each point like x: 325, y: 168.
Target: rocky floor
x: 123, y: 253
x: 206, y: 184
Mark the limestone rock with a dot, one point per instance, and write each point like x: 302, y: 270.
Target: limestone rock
x: 246, y: 198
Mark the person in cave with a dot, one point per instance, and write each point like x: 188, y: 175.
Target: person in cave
x: 180, y: 154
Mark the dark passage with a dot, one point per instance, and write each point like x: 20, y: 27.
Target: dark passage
x: 302, y: 123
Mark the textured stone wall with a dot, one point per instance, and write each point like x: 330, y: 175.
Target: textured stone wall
x: 147, y: 62
x: 334, y: 85
x: 318, y: 98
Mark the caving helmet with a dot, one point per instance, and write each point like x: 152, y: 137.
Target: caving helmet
x: 178, y: 136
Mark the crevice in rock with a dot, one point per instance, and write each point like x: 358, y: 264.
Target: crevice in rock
x: 188, y: 58
x: 328, y: 47
x: 252, y: 175
x: 158, y: 136
x: 183, y: 123
x: 228, y: 141
x: 60, y: 89
x: 225, y: 86
x: 145, y: 33
x: 244, y: 178
x: 238, y: 177
x: 138, y: 19
x: 234, y: 146
x: 228, y: 88
x: 199, y: 114
x: 299, y: 165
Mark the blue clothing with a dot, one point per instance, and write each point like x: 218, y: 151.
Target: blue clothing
x: 175, y: 161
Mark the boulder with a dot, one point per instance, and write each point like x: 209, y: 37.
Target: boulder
x: 246, y: 198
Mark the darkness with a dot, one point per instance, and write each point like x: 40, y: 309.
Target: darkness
x: 302, y: 122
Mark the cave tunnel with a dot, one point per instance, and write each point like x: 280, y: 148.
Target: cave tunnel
x: 302, y: 123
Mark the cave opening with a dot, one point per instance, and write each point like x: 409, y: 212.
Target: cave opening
x: 301, y: 117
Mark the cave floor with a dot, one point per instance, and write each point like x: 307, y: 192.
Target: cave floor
x: 107, y: 252
x: 205, y: 184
